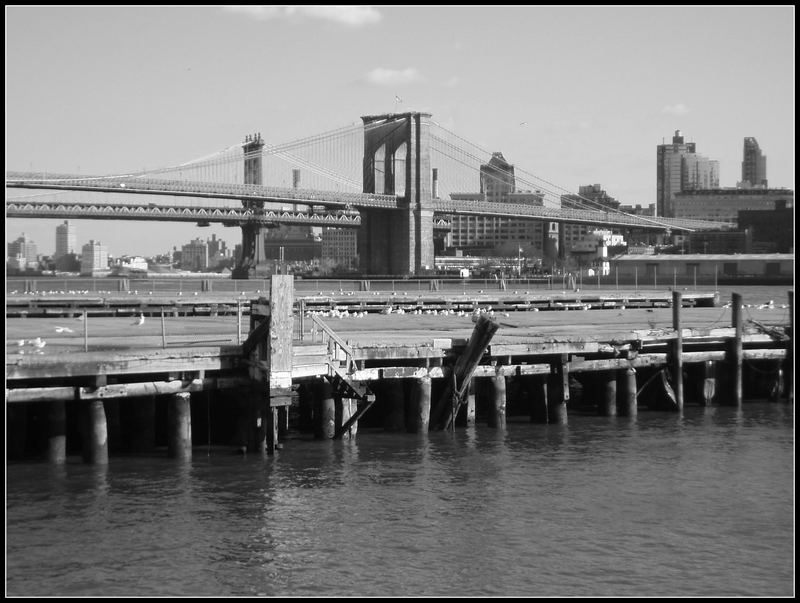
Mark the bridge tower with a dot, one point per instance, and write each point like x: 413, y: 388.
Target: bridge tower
x: 252, y: 263
x: 397, y: 162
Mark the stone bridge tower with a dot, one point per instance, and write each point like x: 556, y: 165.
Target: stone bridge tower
x: 252, y: 263
x: 397, y: 162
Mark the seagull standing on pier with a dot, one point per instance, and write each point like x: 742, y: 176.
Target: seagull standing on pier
x: 140, y: 321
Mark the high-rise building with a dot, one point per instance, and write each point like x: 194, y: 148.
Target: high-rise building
x: 754, y: 164
x: 194, y: 255
x: 24, y: 248
x: 66, y: 242
x: 680, y: 168
x: 94, y: 258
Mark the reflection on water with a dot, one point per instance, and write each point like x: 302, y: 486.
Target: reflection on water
x: 698, y: 503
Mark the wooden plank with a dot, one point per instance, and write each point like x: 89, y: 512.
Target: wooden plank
x: 282, y: 319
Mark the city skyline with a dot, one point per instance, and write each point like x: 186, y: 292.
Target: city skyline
x: 575, y: 95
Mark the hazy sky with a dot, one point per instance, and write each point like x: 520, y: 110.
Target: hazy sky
x: 105, y: 90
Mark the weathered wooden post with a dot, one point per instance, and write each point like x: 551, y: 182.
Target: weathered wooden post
x: 677, y: 349
x: 709, y: 383
x: 325, y: 418
x: 420, y: 405
x: 57, y: 432
x: 163, y: 330
x: 471, y: 402
x: 395, y: 405
x: 538, y: 402
x: 345, y: 409
x: 95, y: 441
x: 558, y: 407
x: 179, y: 426
x: 85, y: 331
x: 443, y: 414
x: 497, y: 412
x: 607, y: 406
x: 629, y: 403
x: 735, y: 353
x: 114, y: 424
x: 269, y: 351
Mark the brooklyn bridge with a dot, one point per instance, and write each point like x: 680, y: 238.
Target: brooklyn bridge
x: 399, y: 178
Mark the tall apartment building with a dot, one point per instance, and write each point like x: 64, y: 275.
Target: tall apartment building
x: 23, y: 248
x: 339, y: 247
x: 194, y: 255
x: 66, y: 239
x: 679, y: 168
x: 493, y: 234
x: 754, y: 164
x: 94, y: 258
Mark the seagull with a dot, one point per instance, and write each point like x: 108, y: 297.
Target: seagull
x: 21, y: 342
x: 39, y: 342
x: 64, y: 330
x: 80, y: 317
x: 139, y: 321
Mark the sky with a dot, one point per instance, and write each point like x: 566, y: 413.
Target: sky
x: 575, y: 95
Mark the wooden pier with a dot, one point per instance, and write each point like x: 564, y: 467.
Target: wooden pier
x: 312, y: 367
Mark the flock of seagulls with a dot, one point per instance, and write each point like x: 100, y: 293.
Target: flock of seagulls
x: 770, y: 305
x: 389, y: 309
x: 37, y: 345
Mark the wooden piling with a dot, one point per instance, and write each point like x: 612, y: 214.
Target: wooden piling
x: 735, y: 353
x: 420, y: 405
x: 677, y: 349
x: 57, y: 432
x: 272, y: 429
x: 114, y: 424
x: 325, y: 415
x: 709, y: 384
x: 497, y: 412
x: 538, y: 399
x: 557, y: 407
x: 345, y: 409
x: 95, y: 442
x: 607, y: 406
x: 470, y: 414
x: 443, y: 414
x: 179, y: 426
x: 628, y: 401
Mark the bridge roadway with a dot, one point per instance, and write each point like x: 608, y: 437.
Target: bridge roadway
x: 342, y: 200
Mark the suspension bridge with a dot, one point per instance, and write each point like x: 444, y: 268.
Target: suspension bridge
x: 396, y: 177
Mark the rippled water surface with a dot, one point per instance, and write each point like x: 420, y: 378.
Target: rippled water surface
x: 693, y: 504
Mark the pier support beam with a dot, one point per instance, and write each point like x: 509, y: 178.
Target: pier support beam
x: 471, y: 402
x: 95, y: 439
x: 735, y: 353
x: 607, y: 405
x: 677, y: 349
x: 709, y: 384
x: 57, y: 432
x: 628, y: 401
x: 538, y: 401
x: 325, y: 412
x: 420, y: 411
x: 497, y: 412
x: 272, y: 429
x: 16, y: 428
x: 114, y: 423
x: 557, y: 408
x: 346, y: 408
x: 179, y: 426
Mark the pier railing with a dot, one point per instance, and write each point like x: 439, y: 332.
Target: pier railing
x: 338, y: 349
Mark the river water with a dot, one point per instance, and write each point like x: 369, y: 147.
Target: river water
x: 697, y: 503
